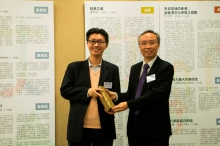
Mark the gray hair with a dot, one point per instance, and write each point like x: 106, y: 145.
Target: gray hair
x: 150, y: 31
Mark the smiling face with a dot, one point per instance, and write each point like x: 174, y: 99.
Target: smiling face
x: 96, y: 44
x: 149, y: 46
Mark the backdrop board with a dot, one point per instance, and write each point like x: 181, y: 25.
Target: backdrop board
x: 189, y: 40
x: 27, y: 72
x: 191, y: 43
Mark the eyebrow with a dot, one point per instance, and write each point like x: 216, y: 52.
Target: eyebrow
x: 148, y: 41
x: 96, y: 40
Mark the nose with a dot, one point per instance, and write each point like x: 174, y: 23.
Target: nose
x: 148, y: 45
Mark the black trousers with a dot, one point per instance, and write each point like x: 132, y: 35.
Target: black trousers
x: 136, y: 136
x: 92, y: 137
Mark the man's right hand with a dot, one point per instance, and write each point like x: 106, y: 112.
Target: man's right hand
x: 94, y: 92
x: 112, y: 94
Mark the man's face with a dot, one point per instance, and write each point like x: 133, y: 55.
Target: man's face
x: 148, y: 46
x: 96, y: 44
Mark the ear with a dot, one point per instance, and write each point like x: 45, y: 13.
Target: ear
x: 106, y: 46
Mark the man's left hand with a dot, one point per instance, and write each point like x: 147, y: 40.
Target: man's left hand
x: 120, y: 107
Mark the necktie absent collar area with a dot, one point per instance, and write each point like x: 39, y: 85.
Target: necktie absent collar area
x: 95, y: 68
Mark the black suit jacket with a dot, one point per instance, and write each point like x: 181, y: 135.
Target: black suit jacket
x: 153, y: 103
x: 74, y: 88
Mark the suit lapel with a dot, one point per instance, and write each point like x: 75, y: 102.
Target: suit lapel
x: 154, y: 66
x: 103, y: 73
x: 85, y: 73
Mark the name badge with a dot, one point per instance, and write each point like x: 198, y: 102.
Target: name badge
x: 108, y: 85
x: 151, y: 78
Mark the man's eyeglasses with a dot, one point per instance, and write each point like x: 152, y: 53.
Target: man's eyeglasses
x: 93, y: 42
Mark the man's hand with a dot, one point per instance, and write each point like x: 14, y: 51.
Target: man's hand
x: 120, y: 107
x: 111, y: 112
x: 94, y: 92
x: 111, y: 94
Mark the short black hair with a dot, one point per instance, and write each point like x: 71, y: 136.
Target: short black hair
x: 97, y: 31
x: 150, y: 31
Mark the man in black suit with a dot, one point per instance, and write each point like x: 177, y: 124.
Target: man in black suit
x: 88, y: 122
x: 149, y: 118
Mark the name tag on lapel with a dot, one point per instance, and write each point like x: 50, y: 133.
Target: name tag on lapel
x: 151, y: 78
x: 108, y: 85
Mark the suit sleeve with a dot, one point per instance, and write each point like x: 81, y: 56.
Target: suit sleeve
x: 72, y: 87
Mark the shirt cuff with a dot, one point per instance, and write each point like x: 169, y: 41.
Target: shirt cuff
x: 88, y: 93
x: 116, y: 99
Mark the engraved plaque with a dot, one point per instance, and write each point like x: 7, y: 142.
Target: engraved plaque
x: 106, y: 100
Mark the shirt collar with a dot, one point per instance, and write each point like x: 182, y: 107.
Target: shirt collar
x: 90, y: 64
x: 150, y: 63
